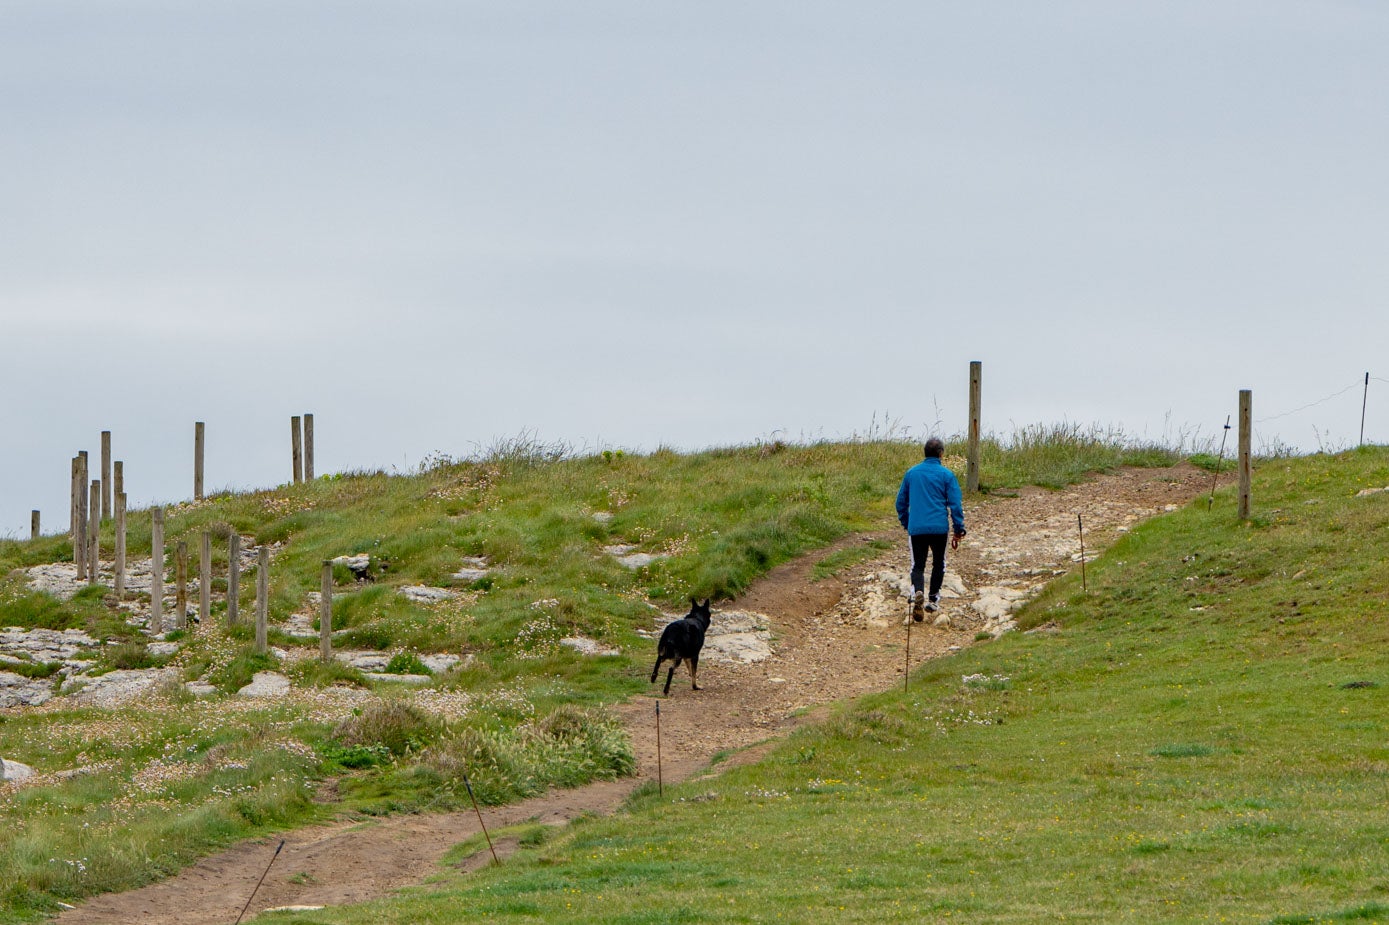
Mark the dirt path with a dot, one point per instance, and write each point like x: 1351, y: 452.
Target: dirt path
x: 833, y: 639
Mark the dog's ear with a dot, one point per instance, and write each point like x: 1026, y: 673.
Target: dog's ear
x: 694, y: 603
x: 706, y: 603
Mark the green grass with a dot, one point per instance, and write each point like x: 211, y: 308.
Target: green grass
x: 171, y: 778
x: 1194, y: 743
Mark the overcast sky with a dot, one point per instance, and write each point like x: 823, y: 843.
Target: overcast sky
x: 692, y: 224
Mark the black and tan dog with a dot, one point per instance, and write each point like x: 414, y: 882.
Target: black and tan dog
x: 681, y: 640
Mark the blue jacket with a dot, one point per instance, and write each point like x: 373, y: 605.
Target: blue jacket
x: 929, y: 492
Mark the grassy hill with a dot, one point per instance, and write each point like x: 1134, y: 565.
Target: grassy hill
x: 127, y: 795
x: 1203, y: 737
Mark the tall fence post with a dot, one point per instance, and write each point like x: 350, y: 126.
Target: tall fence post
x: 79, y: 536
x: 233, y: 578
x: 1246, y: 428
x: 262, y: 596
x: 976, y: 374
x: 181, y: 579
x: 156, y: 571
x: 94, y: 534
x: 106, y: 509
x: 296, y: 443
x: 119, y: 566
x: 205, y: 578
x: 325, y: 613
x: 34, y: 532
x: 198, y: 435
x: 72, y: 506
x: 118, y: 475
x: 308, y: 447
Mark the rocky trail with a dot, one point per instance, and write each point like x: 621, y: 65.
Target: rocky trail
x: 789, y: 645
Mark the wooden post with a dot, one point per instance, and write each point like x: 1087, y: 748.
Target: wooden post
x: 106, y: 509
x: 181, y: 580
x: 308, y: 447
x: 72, y: 505
x: 325, y: 614
x: 34, y: 532
x: 118, y: 474
x: 233, y: 577
x: 198, y: 432
x: 262, y: 596
x: 1246, y: 428
x: 296, y: 442
x: 79, y: 537
x: 94, y: 534
x: 156, y: 571
x: 120, y: 546
x: 972, y: 459
x: 205, y: 578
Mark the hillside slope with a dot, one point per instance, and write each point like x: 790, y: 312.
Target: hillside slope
x: 1199, y: 738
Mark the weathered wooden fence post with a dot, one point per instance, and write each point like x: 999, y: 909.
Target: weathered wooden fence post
x: 233, y: 578
x: 34, y: 532
x: 972, y: 457
x: 198, y: 434
x: 106, y: 509
x: 325, y: 614
x: 118, y: 474
x: 262, y: 596
x: 79, y: 536
x: 205, y: 578
x: 1246, y: 428
x: 181, y: 578
x: 120, y: 546
x: 156, y: 571
x: 296, y: 443
x: 308, y: 447
x: 72, y: 506
x: 94, y: 534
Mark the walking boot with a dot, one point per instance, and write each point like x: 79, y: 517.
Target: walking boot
x: 918, y: 611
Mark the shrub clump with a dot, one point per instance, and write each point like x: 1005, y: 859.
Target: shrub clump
x: 569, y: 747
x: 394, y: 725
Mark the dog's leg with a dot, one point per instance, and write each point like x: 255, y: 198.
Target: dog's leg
x: 694, y: 670
x: 670, y: 674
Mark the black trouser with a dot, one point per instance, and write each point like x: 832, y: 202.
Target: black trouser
x: 935, y: 544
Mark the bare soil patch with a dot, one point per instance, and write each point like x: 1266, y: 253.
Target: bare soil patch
x: 826, y: 648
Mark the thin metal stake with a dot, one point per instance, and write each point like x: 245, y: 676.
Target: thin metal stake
x: 907, y: 669
x: 1081, y: 524
x: 258, y: 883
x: 660, y: 782
x: 1219, y: 463
x: 467, y: 784
x: 1363, y: 403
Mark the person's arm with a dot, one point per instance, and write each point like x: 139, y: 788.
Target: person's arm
x: 903, y: 499
x: 957, y: 508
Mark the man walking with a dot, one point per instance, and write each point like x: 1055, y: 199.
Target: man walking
x: 928, y: 505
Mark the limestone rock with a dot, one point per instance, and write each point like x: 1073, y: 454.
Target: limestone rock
x: 18, y: 691
x: 585, y: 646
x: 13, y: 771
x: 268, y: 684
x: 423, y: 594
x: 474, y: 567
x: 117, y: 687
x: 398, y: 678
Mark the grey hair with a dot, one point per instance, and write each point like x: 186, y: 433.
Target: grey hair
x: 934, y: 447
